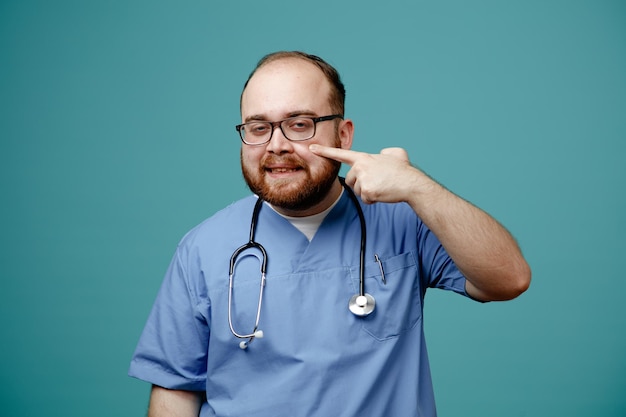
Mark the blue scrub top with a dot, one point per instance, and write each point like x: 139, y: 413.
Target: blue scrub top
x: 316, y: 358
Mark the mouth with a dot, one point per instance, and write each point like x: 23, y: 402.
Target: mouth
x: 281, y: 170
x: 285, y: 168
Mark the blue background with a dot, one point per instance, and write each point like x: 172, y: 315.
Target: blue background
x: 116, y: 137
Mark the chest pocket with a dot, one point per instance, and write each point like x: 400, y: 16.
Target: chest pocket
x: 398, y: 297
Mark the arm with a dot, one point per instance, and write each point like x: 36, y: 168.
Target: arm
x: 481, y: 248
x: 174, y: 403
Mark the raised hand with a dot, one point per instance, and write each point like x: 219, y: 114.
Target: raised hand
x: 385, y: 177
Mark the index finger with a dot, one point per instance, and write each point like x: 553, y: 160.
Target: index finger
x: 342, y: 155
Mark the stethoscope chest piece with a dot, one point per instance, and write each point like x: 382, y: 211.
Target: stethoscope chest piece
x: 361, y: 305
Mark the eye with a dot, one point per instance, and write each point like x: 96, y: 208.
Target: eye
x: 300, y: 125
x: 257, y: 129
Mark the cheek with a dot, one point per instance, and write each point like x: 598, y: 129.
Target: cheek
x: 250, y: 156
x: 308, y: 157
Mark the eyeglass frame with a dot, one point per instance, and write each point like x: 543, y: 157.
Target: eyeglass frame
x: 279, y: 123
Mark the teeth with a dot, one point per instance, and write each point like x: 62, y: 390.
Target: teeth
x: 283, y: 170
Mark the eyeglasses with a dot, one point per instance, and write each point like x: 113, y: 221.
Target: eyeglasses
x: 294, y: 128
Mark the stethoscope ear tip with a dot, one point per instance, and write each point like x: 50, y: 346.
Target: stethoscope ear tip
x: 243, y: 345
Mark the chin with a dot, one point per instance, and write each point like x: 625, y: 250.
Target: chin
x: 299, y: 192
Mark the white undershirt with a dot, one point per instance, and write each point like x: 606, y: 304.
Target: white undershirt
x: 308, y: 225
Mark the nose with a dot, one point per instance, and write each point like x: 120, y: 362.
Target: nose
x: 278, y: 143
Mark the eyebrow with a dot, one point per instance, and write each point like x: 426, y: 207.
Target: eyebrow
x: 295, y: 113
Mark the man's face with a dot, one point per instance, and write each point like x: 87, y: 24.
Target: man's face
x: 282, y: 172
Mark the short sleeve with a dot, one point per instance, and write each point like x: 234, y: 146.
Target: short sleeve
x: 438, y: 269
x: 172, y: 349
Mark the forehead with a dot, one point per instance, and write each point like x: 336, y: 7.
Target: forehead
x: 285, y: 86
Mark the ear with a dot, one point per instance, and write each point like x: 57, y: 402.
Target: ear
x: 346, y: 132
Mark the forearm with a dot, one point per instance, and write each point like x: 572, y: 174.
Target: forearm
x: 483, y: 250
x: 174, y: 403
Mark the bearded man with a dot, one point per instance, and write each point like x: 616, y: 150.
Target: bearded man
x: 334, y: 271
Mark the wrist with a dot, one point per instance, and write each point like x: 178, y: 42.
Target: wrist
x: 424, y: 192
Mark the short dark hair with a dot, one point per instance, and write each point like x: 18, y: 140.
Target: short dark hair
x: 337, y: 97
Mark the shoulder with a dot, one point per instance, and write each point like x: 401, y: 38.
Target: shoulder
x: 395, y: 220
x: 223, y: 223
x: 391, y: 213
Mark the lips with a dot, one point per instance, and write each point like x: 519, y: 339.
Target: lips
x: 274, y: 166
x: 281, y: 170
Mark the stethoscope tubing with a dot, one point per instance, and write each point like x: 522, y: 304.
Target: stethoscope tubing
x: 360, y: 304
x: 363, y: 236
x: 231, y: 272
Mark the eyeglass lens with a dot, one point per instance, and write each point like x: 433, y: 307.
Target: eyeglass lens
x: 295, y: 128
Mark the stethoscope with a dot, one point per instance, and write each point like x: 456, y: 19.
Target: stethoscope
x: 360, y: 304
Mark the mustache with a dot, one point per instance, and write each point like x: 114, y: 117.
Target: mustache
x: 290, y: 160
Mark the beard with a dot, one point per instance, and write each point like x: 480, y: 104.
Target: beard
x: 290, y: 194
